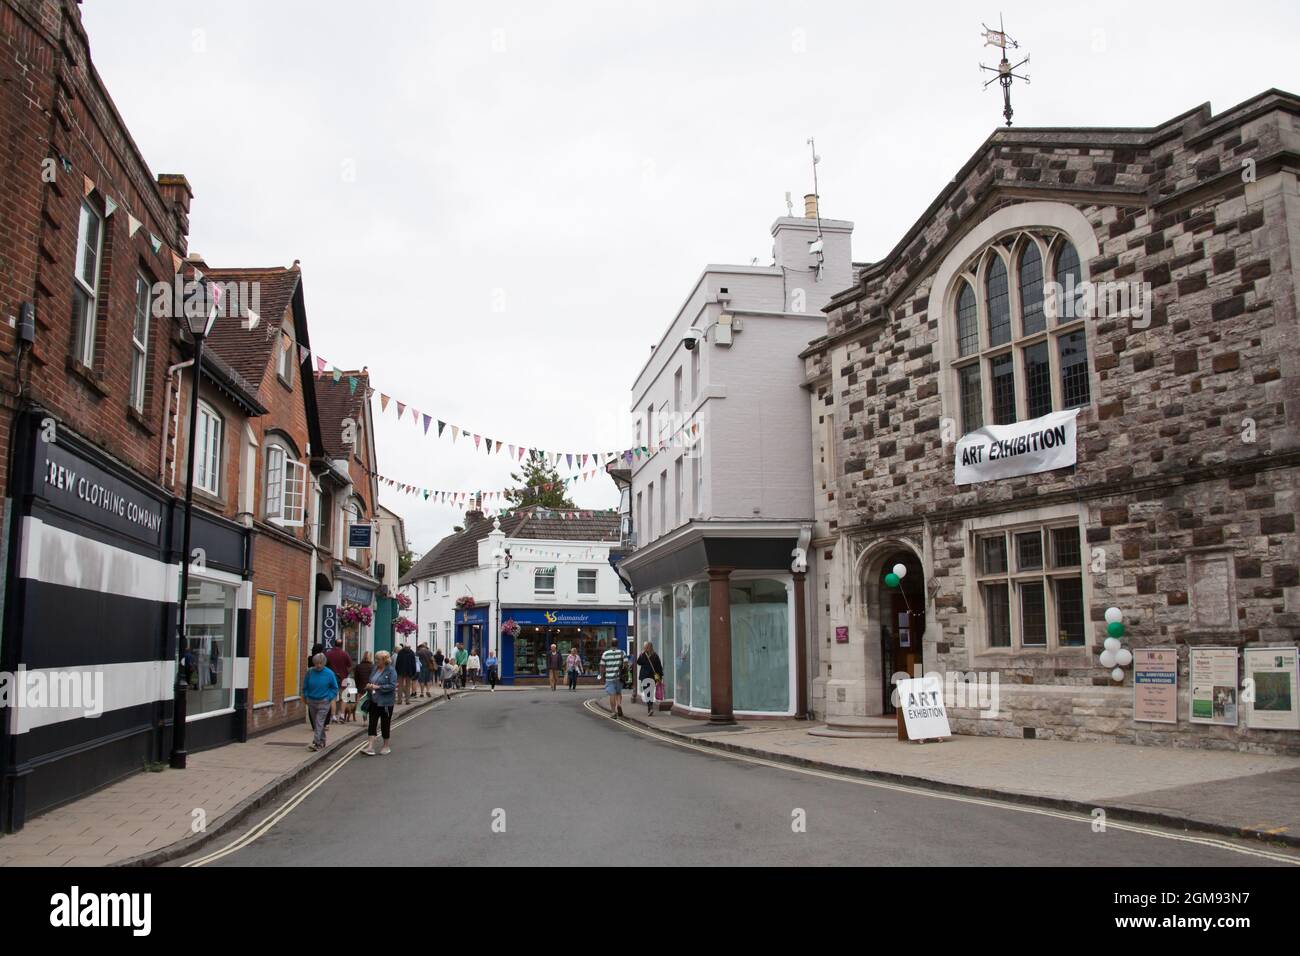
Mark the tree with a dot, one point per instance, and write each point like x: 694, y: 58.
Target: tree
x: 405, y: 560
x: 538, y: 483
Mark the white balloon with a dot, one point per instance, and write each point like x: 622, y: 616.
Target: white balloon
x: 1111, y: 643
x: 1114, y: 615
x: 1117, y: 674
x: 1107, y: 658
x: 1124, y: 657
x: 900, y: 570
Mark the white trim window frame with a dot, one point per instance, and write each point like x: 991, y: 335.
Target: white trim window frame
x: 587, y: 578
x: 1029, y: 587
x: 284, y: 358
x: 207, y: 450
x: 1012, y: 360
x: 284, y: 490
x: 85, y: 288
x: 140, y: 341
x: 544, y: 574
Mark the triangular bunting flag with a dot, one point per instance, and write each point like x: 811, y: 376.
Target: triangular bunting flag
x: 441, y: 426
x: 569, y: 461
x: 477, y: 439
x: 427, y: 421
x: 154, y: 243
x: 510, y: 450
x: 132, y: 225
x: 176, y: 262
x: 87, y: 185
x: 401, y: 410
x: 320, y: 366
x: 110, y: 206
x: 303, y: 353
x: 383, y: 402
x: 337, y: 374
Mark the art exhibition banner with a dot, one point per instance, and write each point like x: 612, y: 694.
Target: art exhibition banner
x: 1023, y: 448
x: 924, y: 715
x: 1273, y: 673
x: 1213, y: 682
x: 1155, y: 685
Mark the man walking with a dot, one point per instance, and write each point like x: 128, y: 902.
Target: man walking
x: 611, y: 665
x: 341, y: 664
x: 554, y: 663
x: 462, y: 662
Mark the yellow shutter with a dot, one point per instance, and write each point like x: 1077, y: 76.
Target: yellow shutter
x: 292, y: 647
x: 263, y: 642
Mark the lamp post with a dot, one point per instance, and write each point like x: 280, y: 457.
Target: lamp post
x: 501, y: 561
x: 199, y: 325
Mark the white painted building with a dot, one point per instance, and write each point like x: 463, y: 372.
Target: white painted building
x: 548, y: 571
x: 720, y: 495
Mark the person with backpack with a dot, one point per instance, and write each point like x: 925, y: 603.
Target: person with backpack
x: 650, y: 671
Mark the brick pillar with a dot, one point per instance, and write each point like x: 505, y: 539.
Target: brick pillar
x: 800, y: 647
x: 720, y: 646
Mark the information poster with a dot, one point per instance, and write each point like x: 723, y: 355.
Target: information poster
x: 1213, y: 686
x: 1155, y: 685
x: 1273, y: 673
x: 924, y: 715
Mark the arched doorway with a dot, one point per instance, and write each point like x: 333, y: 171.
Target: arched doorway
x: 898, y: 615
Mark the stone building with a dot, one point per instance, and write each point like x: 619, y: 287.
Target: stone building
x: 1173, y: 387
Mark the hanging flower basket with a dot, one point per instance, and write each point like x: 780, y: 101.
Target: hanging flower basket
x: 403, y: 600
x: 353, y: 614
x: 509, y: 627
x: 405, y: 626
x: 464, y: 603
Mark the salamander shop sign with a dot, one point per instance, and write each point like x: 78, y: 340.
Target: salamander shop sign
x: 1023, y: 448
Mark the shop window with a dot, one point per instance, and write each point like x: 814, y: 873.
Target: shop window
x: 1030, y: 586
x: 701, y: 689
x: 209, y: 662
x: 293, y: 667
x: 760, y: 646
x: 544, y: 581
x: 587, y: 581
x: 681, y: 665
x: 85, y: 285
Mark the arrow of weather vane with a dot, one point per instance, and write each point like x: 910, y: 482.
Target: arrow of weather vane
x: 1005, y: 70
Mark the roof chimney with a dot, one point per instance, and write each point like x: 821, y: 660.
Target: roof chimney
x: 175, y: 189
x: 810, y: 206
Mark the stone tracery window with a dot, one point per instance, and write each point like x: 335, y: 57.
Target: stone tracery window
x: 1016, y: 356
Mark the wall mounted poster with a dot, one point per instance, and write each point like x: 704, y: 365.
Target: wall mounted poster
x: 1155, y: 685
x: 1213, y: 683
x: 1273, y: 672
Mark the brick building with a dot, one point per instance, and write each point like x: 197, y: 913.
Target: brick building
x: 1180, y: 507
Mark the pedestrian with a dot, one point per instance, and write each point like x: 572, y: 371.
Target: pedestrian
x: 462, y: 664
x: 573, y: 664
x: 611, y: 665
x: 406, y: 667
x: 340, y: 663
x: 650, y: 671
x: 361, y: 673
x: 554, y: 665
x: 320, y: 688
x: 426, y: 670
x: 491, y: 665
x: 475, y: 665
x: 382, y: 688
x: 448, y: 677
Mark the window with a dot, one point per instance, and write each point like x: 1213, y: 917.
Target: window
x: 650, y: 426
x: 650, y: 512
x: 663, y: 501
x: 677, y: 391
x: 433, y: 634
x: 679, y: 487
x: 664, y: 425
x: 544, y: 581
x: 1011, y: 364
x: 85, y: 286
x: 446, y: 635
x: 640, y: 515
x: 697, y: 464
x: 284, y: 358
x: 139, y: 341
x: 286, y: 487
x: 209, y: 662
x: 324, y: 517
x: 207, y: 451
x: 587, y: 581
x: 446, y: 583
x: 1031, y: 587
x: 695, y: 373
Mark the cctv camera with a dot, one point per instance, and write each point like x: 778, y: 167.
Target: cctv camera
x: 692, y: 338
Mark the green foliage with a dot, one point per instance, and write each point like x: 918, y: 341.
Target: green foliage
x: 532, y: 482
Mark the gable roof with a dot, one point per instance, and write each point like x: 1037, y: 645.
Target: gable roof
x: 459, y: 551
x: 249, y: 351
x: 337, y: 401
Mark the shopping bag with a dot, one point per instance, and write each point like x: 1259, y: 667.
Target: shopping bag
x: 659, y: 690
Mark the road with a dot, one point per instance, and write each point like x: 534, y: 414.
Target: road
x: 531, y: 777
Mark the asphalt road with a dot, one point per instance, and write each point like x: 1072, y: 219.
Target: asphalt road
x: 569, y: 788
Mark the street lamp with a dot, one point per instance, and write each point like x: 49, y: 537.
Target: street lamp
x: 501, y: 561
x: 199, y: 326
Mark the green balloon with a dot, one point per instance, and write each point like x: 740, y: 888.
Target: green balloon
x: 891, y: 579
x: 1115, y: 628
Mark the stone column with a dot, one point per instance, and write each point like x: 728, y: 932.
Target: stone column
x: 801, y: 647
x: 720, y: 646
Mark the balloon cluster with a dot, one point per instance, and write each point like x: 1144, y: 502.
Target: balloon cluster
x: 895, y: 577
x: 1114, y: 655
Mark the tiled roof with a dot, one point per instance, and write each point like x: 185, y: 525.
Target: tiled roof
x: 459, y: 551
x: 336, y: 401
x: 248, y: 351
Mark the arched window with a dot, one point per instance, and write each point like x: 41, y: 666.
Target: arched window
x: 1011, y: 363
x: 285, y: 487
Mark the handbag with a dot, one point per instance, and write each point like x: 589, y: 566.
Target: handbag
x: 659, y: 690
x: 364, y: 705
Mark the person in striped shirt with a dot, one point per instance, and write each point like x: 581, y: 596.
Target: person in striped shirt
x: 611, y: 665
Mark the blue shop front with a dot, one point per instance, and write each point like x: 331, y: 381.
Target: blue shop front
x: 472, y: 628
x: 590, y: 630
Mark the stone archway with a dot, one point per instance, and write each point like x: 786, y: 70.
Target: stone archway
x: 893, y: 619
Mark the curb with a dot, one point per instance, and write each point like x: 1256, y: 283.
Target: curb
x: 1113, y: 810
x: 228, y: 820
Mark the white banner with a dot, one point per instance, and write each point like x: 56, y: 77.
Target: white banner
x: 1024, y: 448
x: 924, y: 715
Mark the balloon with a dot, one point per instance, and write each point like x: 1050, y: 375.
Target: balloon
x: 900, y: 571
x: 1107, y: 658
x: 1115, y: 628
x: 1124, y: 657
x: 1112, y: 643
x: 891, y: 579
x: 1114, y: 614
x: 1117, y: 674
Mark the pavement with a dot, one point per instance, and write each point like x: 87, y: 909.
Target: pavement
x: 150, y: 817
x: 1225, y: 792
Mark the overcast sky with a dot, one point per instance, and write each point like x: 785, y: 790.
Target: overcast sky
x: 499, y: 207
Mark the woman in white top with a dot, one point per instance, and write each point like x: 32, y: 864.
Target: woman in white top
x: 472, y: 665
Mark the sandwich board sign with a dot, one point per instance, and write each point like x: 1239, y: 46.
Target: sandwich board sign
x: 920, y: 700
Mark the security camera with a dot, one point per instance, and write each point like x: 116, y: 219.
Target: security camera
x: 692, y: 338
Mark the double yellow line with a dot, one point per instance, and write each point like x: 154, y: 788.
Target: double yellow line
x: 1258, y: 852
x: 265, y: 826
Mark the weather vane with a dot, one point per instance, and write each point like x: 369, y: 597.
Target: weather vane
x: 1004, y: 70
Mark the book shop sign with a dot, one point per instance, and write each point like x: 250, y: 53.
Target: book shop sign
x: 1023, y: 448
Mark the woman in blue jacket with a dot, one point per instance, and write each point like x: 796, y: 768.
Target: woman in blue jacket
x: 320, y: 688
x: 383, y: 695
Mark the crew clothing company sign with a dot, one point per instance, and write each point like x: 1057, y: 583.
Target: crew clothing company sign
x: 1024, y: 448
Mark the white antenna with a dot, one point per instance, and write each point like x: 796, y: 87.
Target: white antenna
x: 789, y: 204
x: 817, y: 245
